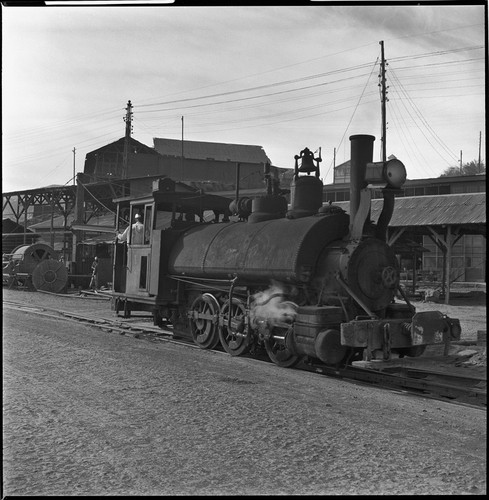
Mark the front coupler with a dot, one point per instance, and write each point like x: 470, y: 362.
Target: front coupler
x: 397, y: 335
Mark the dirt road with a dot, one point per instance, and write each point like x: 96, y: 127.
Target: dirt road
x: 94, y: 413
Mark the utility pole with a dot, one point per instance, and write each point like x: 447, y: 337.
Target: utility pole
x: 127, y: 139
x: 479, y: 165
x: 74, y: 178
x: 334, y: 166
x: 384, y: 100
x: 182, y: 154
x: 461, y: 172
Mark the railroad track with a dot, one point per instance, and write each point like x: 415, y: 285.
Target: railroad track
x: 456, y: 389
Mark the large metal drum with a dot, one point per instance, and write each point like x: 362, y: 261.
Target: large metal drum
x: 28, y: 257
x: 50, y: 276
x: 40, y: 262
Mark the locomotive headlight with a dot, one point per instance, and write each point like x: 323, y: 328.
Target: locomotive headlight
x: 392, y: 171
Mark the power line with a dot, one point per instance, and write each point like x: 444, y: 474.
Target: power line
x: 419, y: 118
x: 260, y: 87
x: 354, y: 111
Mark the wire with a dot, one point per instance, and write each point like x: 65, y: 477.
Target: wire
x: 261, y: 87
x: 423, y: 119
x: 354, y: 111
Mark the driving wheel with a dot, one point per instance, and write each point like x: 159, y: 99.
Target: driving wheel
x: 234, y: 331
x: 204, y: 315
x: 277, y: 349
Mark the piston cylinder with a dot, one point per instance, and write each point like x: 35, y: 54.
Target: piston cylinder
x: 315, y: 334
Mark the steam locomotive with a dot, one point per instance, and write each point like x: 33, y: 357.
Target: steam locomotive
x: 302, y: 282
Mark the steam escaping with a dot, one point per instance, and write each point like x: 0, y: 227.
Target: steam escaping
x: 271, y: 306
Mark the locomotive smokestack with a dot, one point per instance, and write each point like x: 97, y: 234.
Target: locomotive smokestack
x: 362, y: 149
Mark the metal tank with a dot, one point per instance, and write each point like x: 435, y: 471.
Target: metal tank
x: 28, y: 257
x: 281, y: 249
x: 273, y: 245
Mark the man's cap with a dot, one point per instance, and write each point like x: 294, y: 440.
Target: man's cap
x: 137, y: 216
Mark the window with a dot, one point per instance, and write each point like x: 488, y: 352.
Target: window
x: 458, y: 248
x: 458, y: 262
x: 431, y: 190
x: 136, y: 235
x: 458, y: 188
x: 429, y: 263
x: 478, y: 243
x: 148, y: 224
x: 143, y: 272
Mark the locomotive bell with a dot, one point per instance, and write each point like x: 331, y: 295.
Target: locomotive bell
x: 306, y: 191
x: 307, y: 163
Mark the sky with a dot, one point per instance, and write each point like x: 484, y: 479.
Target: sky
x: 281, y: 77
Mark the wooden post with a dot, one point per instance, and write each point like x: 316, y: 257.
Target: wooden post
x: 414, y: 271
x: 444, y: 272
x: 26, y: 207
x: 52, y: 223
x: 74, y: 174
x: 448, y: 263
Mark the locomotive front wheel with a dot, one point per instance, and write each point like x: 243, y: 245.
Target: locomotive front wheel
x: 233, y: 330
x: 203, y: 321
x: 277, y: 349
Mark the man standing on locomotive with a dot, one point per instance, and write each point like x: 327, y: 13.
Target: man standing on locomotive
x: 137, y: 235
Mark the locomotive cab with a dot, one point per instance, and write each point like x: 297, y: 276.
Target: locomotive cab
x: 132, y: 252
x: 140, y: 270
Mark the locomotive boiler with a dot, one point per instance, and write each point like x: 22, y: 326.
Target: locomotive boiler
x: 304, y: 282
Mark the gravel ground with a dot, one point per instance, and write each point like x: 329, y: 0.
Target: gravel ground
x: 94, y: 413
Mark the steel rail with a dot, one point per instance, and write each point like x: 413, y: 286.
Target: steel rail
x: 448, y: 387
x: 465, y: 390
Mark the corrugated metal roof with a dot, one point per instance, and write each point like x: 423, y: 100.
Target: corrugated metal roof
x: 58, y: 222
x: 211, y: 150
x: 467, y: 208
